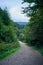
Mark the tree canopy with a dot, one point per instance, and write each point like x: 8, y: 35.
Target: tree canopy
x: 7, y: 30
x: 34, y: 30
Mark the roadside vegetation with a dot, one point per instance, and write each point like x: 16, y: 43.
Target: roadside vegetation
x: 34, y: 30
x: 8, y: 38
x: 32, y: 34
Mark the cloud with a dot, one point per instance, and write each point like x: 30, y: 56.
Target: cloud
x: 14, y: 8
x: 16, y: 14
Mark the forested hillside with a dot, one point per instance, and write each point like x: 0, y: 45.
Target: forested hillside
x: 8, y: 37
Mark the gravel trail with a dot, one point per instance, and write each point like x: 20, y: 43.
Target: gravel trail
x: 25, y: 56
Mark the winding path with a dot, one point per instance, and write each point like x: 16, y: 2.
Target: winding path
x: 25, y: 56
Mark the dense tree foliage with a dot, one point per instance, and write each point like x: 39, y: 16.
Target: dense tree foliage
x: 34, y: 30
x: 8, y: 37
x: 20, y: 30
x: 7, y: 29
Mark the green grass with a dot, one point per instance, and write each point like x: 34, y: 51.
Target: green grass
x: 39, y: 49
x: 8, y: 49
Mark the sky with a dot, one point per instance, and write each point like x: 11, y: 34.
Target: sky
x: 14, y: 9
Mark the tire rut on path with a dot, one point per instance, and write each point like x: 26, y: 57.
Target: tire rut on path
x: 25, y: 56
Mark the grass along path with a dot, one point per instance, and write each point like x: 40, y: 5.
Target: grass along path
x: 38, y: 49
x: 6, y: 50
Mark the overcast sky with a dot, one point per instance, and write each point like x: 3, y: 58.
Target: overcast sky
x: 14, y: 9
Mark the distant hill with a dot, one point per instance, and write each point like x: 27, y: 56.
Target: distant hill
x: 22, y: 23
x: 20, y: 27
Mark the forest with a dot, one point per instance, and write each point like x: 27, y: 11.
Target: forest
x: 8, y: 37
x: 31, y: 33
x: 34, y: 30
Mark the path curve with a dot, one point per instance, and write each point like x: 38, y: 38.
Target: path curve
x: 25, y: 56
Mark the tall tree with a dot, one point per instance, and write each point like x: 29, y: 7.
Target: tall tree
x: 7, y: 32
x: 35, y: 26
